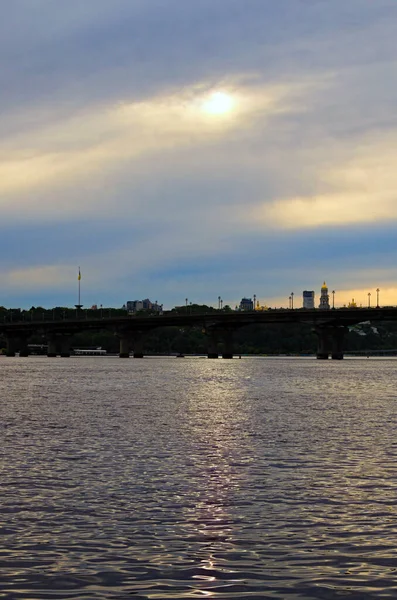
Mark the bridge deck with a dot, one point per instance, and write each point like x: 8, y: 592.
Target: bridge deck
x: 316, y: 317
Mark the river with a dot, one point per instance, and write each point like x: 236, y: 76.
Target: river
x: 191, y: 478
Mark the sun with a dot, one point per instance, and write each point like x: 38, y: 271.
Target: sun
x: 218, y: 103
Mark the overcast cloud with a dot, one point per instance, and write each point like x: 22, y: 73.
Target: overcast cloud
x: 113, y: 158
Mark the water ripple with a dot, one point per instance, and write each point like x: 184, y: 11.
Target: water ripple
x: 242, y: 479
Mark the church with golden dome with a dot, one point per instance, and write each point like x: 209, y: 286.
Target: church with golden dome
x: 324, y: 297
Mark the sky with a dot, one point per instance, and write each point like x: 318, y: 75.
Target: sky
x: 179, y: 149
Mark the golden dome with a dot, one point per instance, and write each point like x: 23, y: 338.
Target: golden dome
x: 324, y: 286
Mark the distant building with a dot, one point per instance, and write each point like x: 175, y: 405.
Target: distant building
x: 246, y: 304
x: 324, y: 298
x: 134, y: 306
x: 308, y: 299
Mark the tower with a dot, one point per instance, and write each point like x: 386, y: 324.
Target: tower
x: 324, y: 298
x: 308, y: 299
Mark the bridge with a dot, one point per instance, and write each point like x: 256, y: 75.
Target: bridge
x: 329, y: 325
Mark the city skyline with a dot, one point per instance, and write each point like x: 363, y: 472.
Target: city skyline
x: 197, y: 149
x: 260, y: 302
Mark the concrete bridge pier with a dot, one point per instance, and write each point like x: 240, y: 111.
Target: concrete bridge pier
x: 64, y: 343
x: 212, y: 344
x: 125, y: 345
x: 338, y: 335
x: 323, y: 343
x: 137, y: 344
x: 11, y: 345
x: 227, y: 336
x: 52, y: 349
x: 23, y: 346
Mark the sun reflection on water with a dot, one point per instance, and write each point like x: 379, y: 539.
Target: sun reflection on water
x: 181, y: 479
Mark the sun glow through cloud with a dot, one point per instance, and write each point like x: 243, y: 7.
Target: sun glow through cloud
x: 218, y: 103
x: 64, y: 151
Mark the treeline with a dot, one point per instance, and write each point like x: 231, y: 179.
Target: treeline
x: 253, y: 339
x: 58, y: 313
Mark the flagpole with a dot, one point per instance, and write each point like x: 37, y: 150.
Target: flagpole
x: 79, y: 305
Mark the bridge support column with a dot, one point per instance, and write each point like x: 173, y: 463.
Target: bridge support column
x: 338, y: 335
x: 125, y: 345
x: 213, y: 350
x: 12, y: 345
x: 323, y: 349
x: 52, y: 346
x: 65, y: 346
x: 137, y: 345
x: 227, y: 335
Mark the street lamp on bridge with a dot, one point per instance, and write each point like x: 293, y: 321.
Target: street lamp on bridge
x: 219, y: 302
x: 377, y: 297
x: 292, y: 300
x: 333, y: 299
x: 289, y: 301
x: 369, y: 299
x: 254, y: 301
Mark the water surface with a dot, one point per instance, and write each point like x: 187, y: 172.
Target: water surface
x: 164, y: 478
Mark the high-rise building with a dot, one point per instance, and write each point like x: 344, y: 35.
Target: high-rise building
x: 324, y: 298
x: 134, y: 306
x: 308, y: 299
x: 246, y: 304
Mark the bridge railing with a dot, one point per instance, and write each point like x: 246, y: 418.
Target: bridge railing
x: 57, y: 315
x: 66, y: 314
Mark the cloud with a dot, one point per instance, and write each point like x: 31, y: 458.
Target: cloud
x: 89, y: 145
x: 361, y: 189
x: 39, y: 277
x: 107, y: 158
